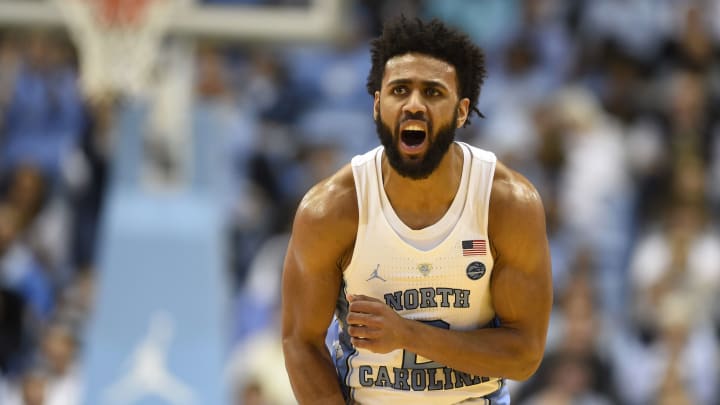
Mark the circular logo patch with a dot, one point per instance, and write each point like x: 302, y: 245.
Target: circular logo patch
x: 475, y: 270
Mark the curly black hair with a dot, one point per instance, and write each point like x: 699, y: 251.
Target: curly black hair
x: 402, y: 35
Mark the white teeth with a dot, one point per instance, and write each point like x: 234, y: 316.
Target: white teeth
x: 413, y: 128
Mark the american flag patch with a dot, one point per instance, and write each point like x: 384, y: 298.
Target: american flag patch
x: 474, y: 247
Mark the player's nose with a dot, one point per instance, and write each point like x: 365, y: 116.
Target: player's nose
x: 414, y: 104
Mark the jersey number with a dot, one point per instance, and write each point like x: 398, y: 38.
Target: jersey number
x: 410, y: 359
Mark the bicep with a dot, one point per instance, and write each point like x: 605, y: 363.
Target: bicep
x: 522, y: 294
x: 311, y: 280
x: 522, y: 278
x: 309, y: 296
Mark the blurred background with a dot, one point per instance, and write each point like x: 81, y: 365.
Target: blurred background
x: 146, y: 194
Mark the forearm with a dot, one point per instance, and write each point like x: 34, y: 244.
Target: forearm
x: 490, y: 352
x: 312, y: 375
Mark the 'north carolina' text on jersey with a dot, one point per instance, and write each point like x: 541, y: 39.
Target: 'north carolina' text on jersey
x: 439, y: 274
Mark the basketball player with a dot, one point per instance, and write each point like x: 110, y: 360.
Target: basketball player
x: 431, y: 255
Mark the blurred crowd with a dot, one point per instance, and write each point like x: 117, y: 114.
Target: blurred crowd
x: 51, y: 186
x: 609, y: 107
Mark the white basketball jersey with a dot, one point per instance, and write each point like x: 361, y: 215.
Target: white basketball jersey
x: 439, y: 274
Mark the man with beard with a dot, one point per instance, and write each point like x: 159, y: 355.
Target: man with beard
x: 427, y: 257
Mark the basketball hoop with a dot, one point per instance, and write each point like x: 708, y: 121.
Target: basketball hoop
x: 118, y: 41
x: 119, y: 12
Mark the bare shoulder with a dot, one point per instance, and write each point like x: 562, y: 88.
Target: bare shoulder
x: 511, y: 191
x: 517, y: 217
x: 329, y: 208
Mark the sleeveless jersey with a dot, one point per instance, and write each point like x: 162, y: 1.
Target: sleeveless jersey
x: 439, y: 275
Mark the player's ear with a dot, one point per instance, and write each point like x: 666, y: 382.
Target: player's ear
x: 376, y: 106
x: 463, y: 109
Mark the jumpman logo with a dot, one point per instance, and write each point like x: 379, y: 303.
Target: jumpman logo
x: 148, y: 374
x: 375, y: 274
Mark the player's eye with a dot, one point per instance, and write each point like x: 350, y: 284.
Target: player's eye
x: 432, y: 92
x: 399, y: 90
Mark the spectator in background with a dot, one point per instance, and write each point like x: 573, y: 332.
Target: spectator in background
x: 690, y: 116
x: 577, y: 367
x: 32, y: 389
x: 674, y: 360
x: 255, y: 371
x: 681, y: 251
x: 45, y: 221
x: 27, y: 193
x: 594, y: 190
x: 691, y: 44
x: 675, y: 386
x: 568, y: 382
x: 251, y: 394
x: 45, y: 114
x: 20, y: 270
x: 58, y: 348
x: 28, y: 389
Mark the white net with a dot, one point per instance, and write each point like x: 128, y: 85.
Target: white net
x: 118, y: 42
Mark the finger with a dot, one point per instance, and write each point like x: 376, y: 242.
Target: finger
x: 363, y: 332
x: 363, y: 344
x: 368, y: 307
x: 360, y: 318
x: 356, y: 331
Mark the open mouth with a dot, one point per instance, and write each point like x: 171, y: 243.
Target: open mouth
x: 412, y: 138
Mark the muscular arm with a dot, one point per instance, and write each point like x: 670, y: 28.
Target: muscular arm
x: 323, y: 233
x: 521, y: 289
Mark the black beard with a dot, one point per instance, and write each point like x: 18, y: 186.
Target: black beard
x: 422, y: 168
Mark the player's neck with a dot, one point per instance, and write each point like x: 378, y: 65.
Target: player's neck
x: 429, y: 198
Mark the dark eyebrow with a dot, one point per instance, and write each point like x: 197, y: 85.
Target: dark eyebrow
x: 426, y: 83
